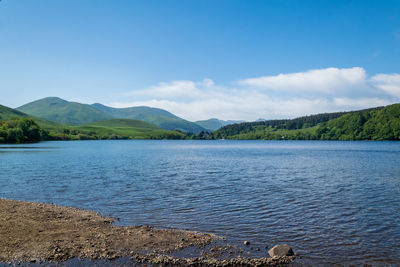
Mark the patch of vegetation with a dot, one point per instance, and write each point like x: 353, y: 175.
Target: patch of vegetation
x: 21, y: 130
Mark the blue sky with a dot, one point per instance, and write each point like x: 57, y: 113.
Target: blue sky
x: 200, y: 59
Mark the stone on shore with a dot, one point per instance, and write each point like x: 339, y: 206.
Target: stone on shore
x: 280, y: 251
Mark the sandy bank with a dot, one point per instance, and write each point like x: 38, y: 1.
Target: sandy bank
x: 44, y: 232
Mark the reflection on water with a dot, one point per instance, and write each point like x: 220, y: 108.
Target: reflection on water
x: 334, y: 202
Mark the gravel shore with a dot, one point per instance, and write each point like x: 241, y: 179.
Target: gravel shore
x: 37, y: 232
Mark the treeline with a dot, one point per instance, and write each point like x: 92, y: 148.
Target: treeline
x: 21, y: 130
x: 382, y: 123
x: 285, y: 124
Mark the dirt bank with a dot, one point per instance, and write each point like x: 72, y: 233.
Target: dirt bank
x: 44, y: 232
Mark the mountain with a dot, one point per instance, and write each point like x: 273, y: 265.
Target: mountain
x: 59, y: 110
x: 62, y: 111
x: 156, y: 116
x: 214, y: 124
x: 381, y: 123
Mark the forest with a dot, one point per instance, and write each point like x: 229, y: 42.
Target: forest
x: 381, y: 123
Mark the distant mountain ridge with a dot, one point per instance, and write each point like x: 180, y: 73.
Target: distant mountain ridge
x: 215, y: 124
x: 156, y: 116
x: 62, y: 111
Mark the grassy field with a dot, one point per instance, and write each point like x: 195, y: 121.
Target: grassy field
x: 125, y: 129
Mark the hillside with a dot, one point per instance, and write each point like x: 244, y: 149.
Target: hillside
x: 159, y: 117
x: 110, y: 129
x: 381, y: 123
x: 59, y: 110
x: 214, y: 124
x: 128, y: 123
x: 7, y: 113
x: 375, y: 124
x: 123, y: 129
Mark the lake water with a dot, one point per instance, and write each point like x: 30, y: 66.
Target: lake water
x: 333, y: 202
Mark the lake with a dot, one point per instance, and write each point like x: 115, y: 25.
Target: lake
x: 333, y: 202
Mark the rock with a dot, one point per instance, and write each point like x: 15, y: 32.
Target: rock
x: 280, y: 251
x: 246, y: 243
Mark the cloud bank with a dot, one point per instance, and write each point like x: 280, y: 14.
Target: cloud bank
x: 270, y: 97
x: 317, y: 81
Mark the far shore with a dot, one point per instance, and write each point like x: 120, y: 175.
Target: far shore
x: 40, y: 233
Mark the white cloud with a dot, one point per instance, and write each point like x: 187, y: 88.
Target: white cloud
x: 177, y: 89
x: 271, y: 97
x: 328, y: 80
x: 389, y: 83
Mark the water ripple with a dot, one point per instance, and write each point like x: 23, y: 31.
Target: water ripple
x: 334, y: 202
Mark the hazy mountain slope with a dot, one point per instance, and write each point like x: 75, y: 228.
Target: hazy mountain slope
x: 214, y: 124
x: 159, y: 117
x: 59, y: 110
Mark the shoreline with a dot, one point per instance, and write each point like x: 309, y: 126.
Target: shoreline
x: 39, y: 233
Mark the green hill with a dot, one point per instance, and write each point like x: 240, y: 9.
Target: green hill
x: 381, y: 123
x: 156, y: 116
x: 374, y: 124
x: 7, y: 113
x: 59, y: 110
